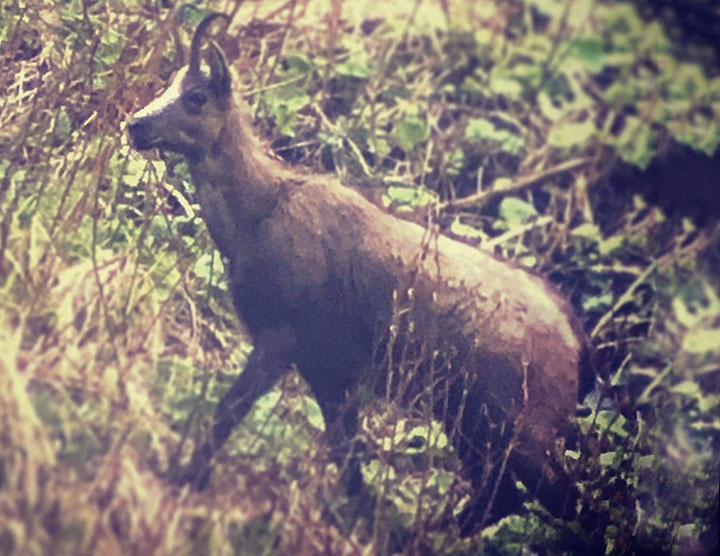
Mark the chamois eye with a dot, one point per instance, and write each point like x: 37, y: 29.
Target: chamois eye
x: 197, y: 99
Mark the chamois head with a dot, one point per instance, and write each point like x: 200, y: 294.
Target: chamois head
x: 188, y: 116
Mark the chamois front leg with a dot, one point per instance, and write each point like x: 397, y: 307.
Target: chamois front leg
x: 270, y: 359
x: 341, y: 427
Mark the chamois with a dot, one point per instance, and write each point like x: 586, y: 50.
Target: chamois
x: 357, y: 299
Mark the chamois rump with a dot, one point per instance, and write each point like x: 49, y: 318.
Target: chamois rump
x: 358, y: 299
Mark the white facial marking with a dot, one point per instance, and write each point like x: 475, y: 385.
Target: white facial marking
x: 171, y: 94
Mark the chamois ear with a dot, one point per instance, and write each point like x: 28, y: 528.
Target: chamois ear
x: 219, y: 73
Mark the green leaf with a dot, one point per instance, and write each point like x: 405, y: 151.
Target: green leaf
x: 562, y: 94
x: 474, y: 87
x: 357, y: 66
x: 605, y: 418
x: 567, y: 135
x: 621, y: 93
x: 483, y: 36
x: 504, y: 83
x: 551, y: 108
x: 283, y: 105
x: 465, y: 230
x: 636, y: 143
x: 454, y: 161
x: 621, y: 19
x: 619, y: 59
x: 538, y: 47
x: 314, y: 414
x: 702, y: 341
x: 688, y: 388
x: 265, y: 406
x: 589, y: 51
x: 701, y: 133
x: 408, y: 196
x: 134, y: 170
x: 111, y: 47
x: 696, y: 302
x: 515, y: 211
x: 687, y: 82
x: 410, y: 131
x: 611, y: 245
x: 481, y: 129
x: 159, y: 228
x: 597, y: 302
x: 530, y: 75
x: 204, y: 267
x: 63, y: 125
x: 299, y: 64
x: 587, y: 231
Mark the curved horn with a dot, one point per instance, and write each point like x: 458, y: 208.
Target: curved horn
x: 198, y: 38
x: 179, y: 57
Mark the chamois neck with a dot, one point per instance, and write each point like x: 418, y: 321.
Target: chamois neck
x: 239, y: 168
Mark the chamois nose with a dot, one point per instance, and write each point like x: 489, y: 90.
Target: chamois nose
x: 139, y: 131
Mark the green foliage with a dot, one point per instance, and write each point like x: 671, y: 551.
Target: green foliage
x: 513, y: 212
x: 479, y: 129
x: 283, y: 104
x: 410, y: 131
x: 408, y: 198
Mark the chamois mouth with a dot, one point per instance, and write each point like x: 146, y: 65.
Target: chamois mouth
x: 141, y: 143
x: 143, y: 139
x: 140, y: 135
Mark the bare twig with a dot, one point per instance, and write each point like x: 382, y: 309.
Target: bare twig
x: 521, y: 184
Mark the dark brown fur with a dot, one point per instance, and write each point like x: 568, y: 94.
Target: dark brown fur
x: 329, y: 282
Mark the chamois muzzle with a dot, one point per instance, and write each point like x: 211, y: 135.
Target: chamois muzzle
x: 139, y: 131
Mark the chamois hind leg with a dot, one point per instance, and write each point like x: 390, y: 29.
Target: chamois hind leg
x: 270, y: 359
x: 481, y: 437
x: 543, y: 475
x: 514, y: 454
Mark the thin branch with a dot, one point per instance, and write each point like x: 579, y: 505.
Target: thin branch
x: 521, y: 184
x: 624, y: 298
